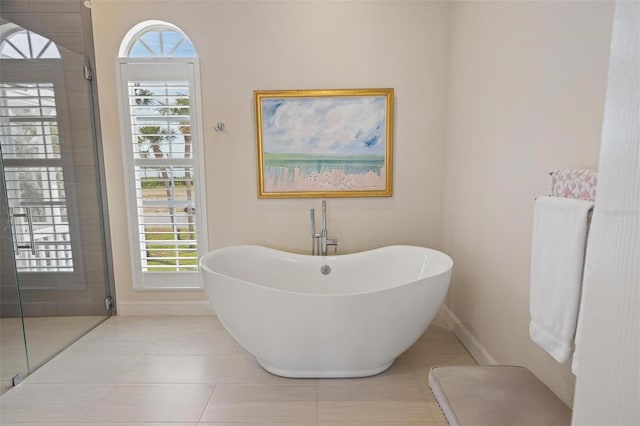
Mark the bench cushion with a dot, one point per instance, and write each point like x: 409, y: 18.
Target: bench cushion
x: 497, y: 395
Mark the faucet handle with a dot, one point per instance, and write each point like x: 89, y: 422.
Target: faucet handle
x: 333, y: 243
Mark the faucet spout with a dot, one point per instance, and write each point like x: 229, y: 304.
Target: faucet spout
x: 324, y: 215
x: 324, y: 241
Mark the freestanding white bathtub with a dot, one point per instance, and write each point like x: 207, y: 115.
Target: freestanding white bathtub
x: 352, y: 322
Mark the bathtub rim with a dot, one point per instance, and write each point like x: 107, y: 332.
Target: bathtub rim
x: 204, y: 267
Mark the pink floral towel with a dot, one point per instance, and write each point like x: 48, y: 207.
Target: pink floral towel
x: 574, y: 183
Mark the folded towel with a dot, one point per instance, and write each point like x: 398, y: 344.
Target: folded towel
x: 575, y: 360
x: 560, y: 227
x: 574, y: 183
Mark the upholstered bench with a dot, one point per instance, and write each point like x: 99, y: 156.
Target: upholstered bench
x: 498, y: 395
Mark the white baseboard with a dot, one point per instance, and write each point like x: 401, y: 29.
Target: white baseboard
x: 475, y: 348
x: 133, y: 308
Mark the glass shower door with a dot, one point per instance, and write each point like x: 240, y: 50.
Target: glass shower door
x: 42, y: 221
x: 52, y: 191
x: 13, y: 355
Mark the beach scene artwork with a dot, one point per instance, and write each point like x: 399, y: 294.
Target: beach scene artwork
x: 324, y: 143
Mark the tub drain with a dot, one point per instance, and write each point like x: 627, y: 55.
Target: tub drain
x: 325, y: 269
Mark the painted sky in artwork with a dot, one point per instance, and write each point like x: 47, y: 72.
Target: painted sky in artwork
x: 353, y: 125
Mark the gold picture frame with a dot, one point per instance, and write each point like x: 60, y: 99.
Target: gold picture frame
x: 324, y: 143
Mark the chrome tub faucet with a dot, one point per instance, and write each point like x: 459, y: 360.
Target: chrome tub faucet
x: 319, y: 241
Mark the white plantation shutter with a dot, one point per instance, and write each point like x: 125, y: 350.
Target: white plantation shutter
x: 40, y: 224
x: 162, y: 149
x: 34, y: 176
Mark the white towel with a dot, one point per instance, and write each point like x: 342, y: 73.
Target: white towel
x: 560, y: 227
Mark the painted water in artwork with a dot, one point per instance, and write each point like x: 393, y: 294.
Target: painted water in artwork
x: 324, y: 143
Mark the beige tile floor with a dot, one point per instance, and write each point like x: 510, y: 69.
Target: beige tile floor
x: 46, y: 336
x: 190, y: 371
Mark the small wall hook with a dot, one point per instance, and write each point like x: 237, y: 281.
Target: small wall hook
x: 219, y: 127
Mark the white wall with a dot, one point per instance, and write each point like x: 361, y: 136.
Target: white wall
x: 527, y: 87
x: 521, y: 94
x: 246, y: 46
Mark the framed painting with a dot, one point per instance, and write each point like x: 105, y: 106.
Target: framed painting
x: 324, y: 143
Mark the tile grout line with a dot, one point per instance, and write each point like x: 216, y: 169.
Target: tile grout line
x: 215, y: 386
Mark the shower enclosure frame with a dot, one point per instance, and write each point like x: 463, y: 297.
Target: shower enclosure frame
x: 99, y: 223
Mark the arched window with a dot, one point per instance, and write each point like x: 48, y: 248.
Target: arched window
x: 157, y: 39
x: 162, y: 153
x: 162, y: 42
x: 25, y: 44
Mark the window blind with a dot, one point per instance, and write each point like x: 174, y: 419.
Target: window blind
x: 161, y: 147
x: 34, y: 177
